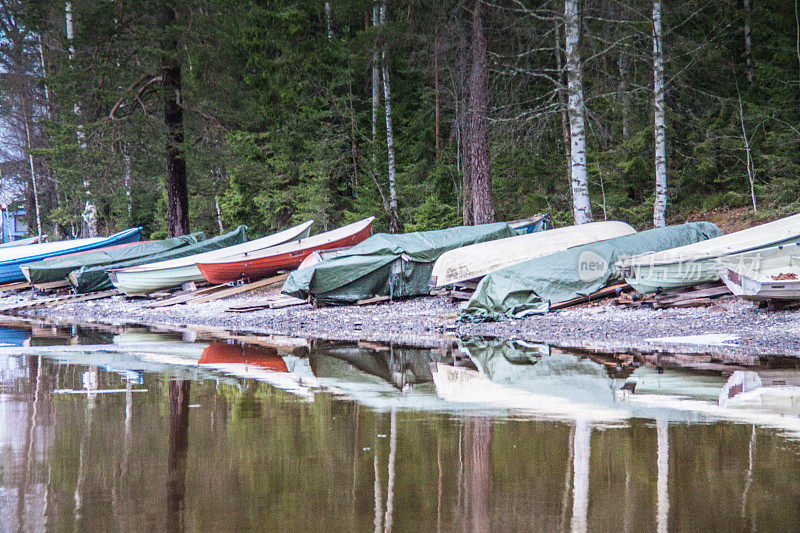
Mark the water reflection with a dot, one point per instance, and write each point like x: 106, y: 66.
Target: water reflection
x: 295, y: 435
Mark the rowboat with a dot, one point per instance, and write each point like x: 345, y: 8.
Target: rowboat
x: 696, y: 263
x: 150, y: 277
x: 98, y: 278
x: 12, y: 258
x: 321, y: 255
x: 478, y: 260
x: 284, y: 257
x: 768, y: 274
x: 56, y: 269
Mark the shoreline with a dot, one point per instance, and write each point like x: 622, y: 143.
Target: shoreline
x: 432, y: 321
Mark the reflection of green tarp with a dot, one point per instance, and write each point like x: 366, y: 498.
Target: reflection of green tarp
x: 386, y: 265
x: 578, y: 271
x: 96, y: 279
x: 57, y: 268
x: 568, y: 376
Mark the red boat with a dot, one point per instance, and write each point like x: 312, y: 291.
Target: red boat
x: 288, y: 256
x: 222, y: 353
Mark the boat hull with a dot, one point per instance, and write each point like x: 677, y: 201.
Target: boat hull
x: 478, y: 260
x: 256, y: 268
x: 10, y: 269
x: 763, y: 275
x: 680, y: 274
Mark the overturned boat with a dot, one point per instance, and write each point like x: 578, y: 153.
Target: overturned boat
x: 11, y: 259
x: 478, y: 260
x: 696, y: 263
x: 769, y: 274
x: 288, y: 256
x: 165, y: 274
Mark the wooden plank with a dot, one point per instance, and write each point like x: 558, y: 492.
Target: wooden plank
x: 50, y: 285
x: 14, y: 286
x: 184, y: 297
x: 691, y: 302
x: 277, y: 303
x: 711, y: 292
x: 238, y: 290
x: 373, y: 300
x: 71, y: 298
x: 460, y: 295
x: 597, y: 295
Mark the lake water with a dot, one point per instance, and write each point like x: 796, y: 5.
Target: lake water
x: 136, y: 431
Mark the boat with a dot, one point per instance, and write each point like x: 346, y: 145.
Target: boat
x: 24, y: 242
x: 160, y: 275
x: 11, y: 259
x: 54, y: 271
x: 768, y: 274
x: 284, y: 257
x: 99, y: 277
x: 478, y: 260
x: 696, y: 263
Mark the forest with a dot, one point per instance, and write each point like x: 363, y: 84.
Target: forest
x: 206, y: 114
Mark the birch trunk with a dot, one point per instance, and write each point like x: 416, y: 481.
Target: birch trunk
x: 482, y: 196
x: 748, y: 45
x: 748, y: 155
x: 394, y: 220
x: 328, y: 20
x: 219, y: 215
x: 581, y: 205
x: 660, y: 127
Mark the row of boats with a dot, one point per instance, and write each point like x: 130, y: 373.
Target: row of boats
x: 762, y: 262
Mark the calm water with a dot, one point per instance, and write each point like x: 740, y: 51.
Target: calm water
x: 149, y: 433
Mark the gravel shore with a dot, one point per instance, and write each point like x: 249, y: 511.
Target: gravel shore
x: 429, y: 321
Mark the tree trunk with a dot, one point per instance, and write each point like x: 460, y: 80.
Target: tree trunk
x: 480, y: 166
x: 797, y: 41
x: 581, y: 205
x: 625, y: 95
x: 375, y: 86
x: 328, y: 20
x: 748, y: 155
x: 33, y: 180
x: 394, y: 219
x: 219, y: 215
x: 179, y: 391
x: 465, y: 128
x: 562, y: 104
x: 660, y: 126
x: 437, y: 105
x: 748, y: 45
x: 177, y: 190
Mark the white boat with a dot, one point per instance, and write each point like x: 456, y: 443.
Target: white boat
x: 768, y: 274
x: 478, y: 260
x: 696, y: 263
x: 152, y: 277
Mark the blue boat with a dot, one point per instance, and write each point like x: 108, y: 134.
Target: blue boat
x: 12, y: 258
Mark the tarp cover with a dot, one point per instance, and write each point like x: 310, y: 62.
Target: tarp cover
x: 96, y: 279
x: 515, y: 291
x: 57, y: 268
x: 386, y: 265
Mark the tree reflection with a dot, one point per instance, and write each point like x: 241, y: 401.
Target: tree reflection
x: 478, y: 435
x: 178, y: 445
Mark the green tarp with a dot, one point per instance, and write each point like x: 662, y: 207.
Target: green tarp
x: 528, y: 287
x: 96, y: 279
x: 398, y: 266
x: 57, y: 268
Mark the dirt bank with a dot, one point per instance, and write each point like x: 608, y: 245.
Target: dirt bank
x: 429, y: 321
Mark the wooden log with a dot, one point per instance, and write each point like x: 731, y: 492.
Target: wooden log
x: 15, y: 286
x: 238, y: 290
x: 184, y: 297
x: 68, y: 299
x: 373, y: 300
x: 597, y: 295
x: 712, y: 292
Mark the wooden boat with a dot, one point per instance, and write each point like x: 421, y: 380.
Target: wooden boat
x: 696, y: 263
x: 769, y: 274
x: 12, y: 258
x: 285, y: 257
x: 151, y: 277
x: 478, y: 260
x: 321, y: 255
